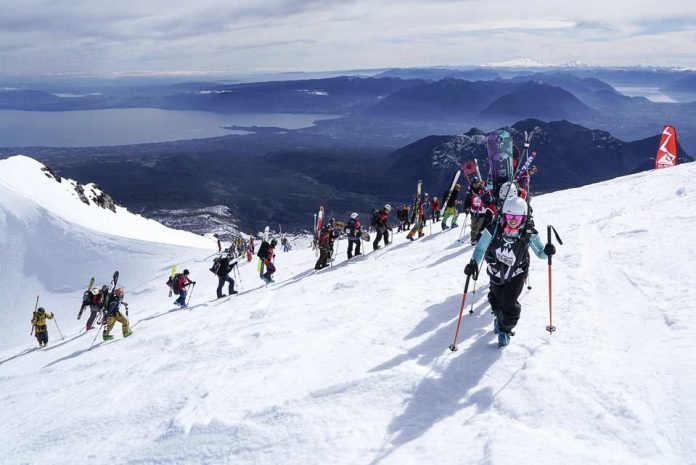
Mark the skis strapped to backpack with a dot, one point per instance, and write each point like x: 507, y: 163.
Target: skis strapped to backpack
x: 171, y: 277
x: 112, y: 286
x: 317, y: 226
x: 448, y: 193
x: 499, y: 146
x: 82, y: 308
x: 416, y: 202
x: 470, y: 169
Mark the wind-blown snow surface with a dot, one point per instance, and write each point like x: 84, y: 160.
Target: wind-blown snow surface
x: 51, y: 244
x: 350, y: 365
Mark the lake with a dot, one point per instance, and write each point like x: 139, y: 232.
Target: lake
x: 89, y: 128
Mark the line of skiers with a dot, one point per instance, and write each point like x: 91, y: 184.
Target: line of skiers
x: 105, y: 309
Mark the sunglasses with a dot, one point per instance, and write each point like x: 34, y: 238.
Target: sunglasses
x: 511, y: 217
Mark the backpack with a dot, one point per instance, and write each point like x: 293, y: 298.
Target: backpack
x: 263, y: 250
x: 217, y: 263
x: 173, y: 282
x: 374, y: 221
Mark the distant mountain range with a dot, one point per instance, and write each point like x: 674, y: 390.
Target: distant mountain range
x: 274, y: 178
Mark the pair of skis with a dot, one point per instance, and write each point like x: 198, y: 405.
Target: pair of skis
x: 82, y: 307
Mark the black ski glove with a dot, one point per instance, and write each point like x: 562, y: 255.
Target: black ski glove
x: 549, y: 249
x: 471, y: 269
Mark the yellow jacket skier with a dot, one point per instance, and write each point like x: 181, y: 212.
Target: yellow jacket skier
x: 40, y: 328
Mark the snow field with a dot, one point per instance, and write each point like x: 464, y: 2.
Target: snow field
x: 350, y: 364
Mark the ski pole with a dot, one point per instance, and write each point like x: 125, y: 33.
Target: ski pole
x: 97, y: 333
x: 461, y: 233
x: 239, y: 277
x: 551, y: 328
x: 478, y: 270
x: 473, y: 297
x: 58, y: 327
x: 189, y: 297
x: 36, y: 306
x: 453, y: 347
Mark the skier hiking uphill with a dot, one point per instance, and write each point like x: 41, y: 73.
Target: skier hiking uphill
x: 420, y: 220
x: 476, y: 203
x: 38, y: 321
x: 505, y: 246
x: 181, y: 282
x: 354, y: 234
x: 402, y: 215
x: 113, y: 314
x: 94, y: 299
x: 379, y: 221
x: 435, y: 208
x: 327, y: 236
x: 222, y: 266
x: 451, y: 208
x: 268, y: 262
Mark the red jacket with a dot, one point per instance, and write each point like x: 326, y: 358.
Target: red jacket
x: 435, y: 205
x: 269, y: 254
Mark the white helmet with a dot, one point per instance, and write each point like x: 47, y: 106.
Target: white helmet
x: 387, y: 207
x: 353, y: 215
x: 515, y: 206
x: 507, y: 191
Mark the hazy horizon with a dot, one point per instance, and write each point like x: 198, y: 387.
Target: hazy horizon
x: 158, y: 37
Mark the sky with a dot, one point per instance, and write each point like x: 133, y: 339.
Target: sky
x: 248, y: 36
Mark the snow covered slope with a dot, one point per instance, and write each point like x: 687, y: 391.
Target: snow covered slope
x: 52, y: 243
x: 350, y: 365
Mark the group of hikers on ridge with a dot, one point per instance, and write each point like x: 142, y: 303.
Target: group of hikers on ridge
x: 502, y: 231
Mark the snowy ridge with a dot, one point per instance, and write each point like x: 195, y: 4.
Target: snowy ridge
x: 52, y: 242
x: 350, y: 365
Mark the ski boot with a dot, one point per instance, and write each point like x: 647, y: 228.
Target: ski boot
x: 455, y: 225
x: 421, y: 235
x: 107, y: 337
x: 90, y: 327
x: 445, y: 227
x: 503, y: 339
x: 234, y: 292
x: 127, y: 333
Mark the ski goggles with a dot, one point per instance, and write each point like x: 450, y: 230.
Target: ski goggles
x: 510, y: 217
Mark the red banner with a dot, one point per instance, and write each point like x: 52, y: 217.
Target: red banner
x: 667, y: 152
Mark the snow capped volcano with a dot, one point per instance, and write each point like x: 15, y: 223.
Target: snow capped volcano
x: 350, y: 365
x: 519, y: 62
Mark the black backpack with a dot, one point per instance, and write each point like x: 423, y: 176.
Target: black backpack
x: 374, y: 221
x: 217, y: 263
x: 173, y: 282
x: 263, y: 250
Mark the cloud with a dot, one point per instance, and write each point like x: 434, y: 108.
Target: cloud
x: 48, y: 36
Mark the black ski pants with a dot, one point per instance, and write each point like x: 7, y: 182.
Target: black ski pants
x: 381, y: 232
x: 352, y: 244
x: 503, y: 300
x: 221, y: 282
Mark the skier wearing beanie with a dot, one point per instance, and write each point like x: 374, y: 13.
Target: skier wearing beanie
x: 505, y: 246
x: 38, y: 321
